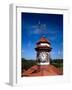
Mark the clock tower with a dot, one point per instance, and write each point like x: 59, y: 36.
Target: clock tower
x: 43, y: 67
x: 43, y: 48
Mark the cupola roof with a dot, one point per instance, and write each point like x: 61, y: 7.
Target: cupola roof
x: 43, y: 40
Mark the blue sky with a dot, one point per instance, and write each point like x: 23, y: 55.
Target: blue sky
x: 36, y: 25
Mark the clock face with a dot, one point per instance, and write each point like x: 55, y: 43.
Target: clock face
x: 43, y: 56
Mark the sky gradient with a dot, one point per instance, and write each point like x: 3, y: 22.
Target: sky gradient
x: 34, y: 26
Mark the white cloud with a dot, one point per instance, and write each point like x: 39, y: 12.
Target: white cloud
x: 39, y: 28
x: 29, y: 44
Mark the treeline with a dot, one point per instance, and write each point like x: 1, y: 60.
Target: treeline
x: 57, y: 63
x: 26, y: 64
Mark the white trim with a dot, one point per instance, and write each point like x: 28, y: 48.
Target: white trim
x: 45, y: 44
x: 45, y: 63
x: 12, y: 46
